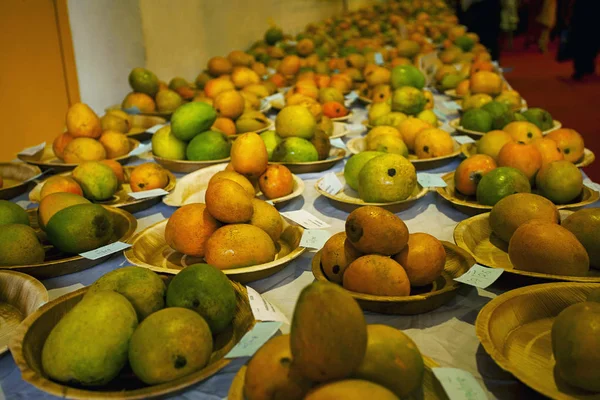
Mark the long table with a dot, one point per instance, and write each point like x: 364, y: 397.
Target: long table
x: 447, y: 334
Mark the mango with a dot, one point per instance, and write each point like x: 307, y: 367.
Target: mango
x: 89, y: 345
x: 208, y: 145
x: 267, y: 218
x: 167, y: 145
x: 170, y: 344
x: 295, y: 121
x: 148, y: 176
x: 375, y: 230
x: 355, y: 164
x: 376, y: 275
x: 351, y: 389
x: 271, y: 373
x: 585, y: 225
x: 115, y: 143
x: 251, y: 121
x: 19, y: 245
x: 237, y: 178
x: 55, y: 202
x: 144, y: 289
x: 192, y: 119
x: 98, y: 181
x: 228, y: 202
x: 80, y: 228
x: 11, y: 213
x: 238, y: 246
x: 392, y: 360
x: 83, y: 149
x: 387, y: 178
x: 328, y: 334
x: 82, y: 121
x: 188, y: 229
x: 249, y: 155
x: 205, y: 290
x: 336, y: 256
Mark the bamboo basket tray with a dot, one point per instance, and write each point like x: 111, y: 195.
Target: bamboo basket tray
x: 192, y: 188
x: 431, y: 389
x: 186, y: 166
x: 20, y: 296
x: 141, y: 123
x: 359, y: 144
x: 348, y: 199
x: 470, y: 149
x: 16, y: 178
x: 455, y: 123
x: 121, y: 199
x: 514, y: 329
x: 424, y: 299
x: 46, y: 159
x: 150, y: 250
x: 470, y: 206
x: 475, y: 236
x: 345, y: 118
x: 340, y: 130
x: 57, y: 263
x: 27, y: 343
x: 336, y: 154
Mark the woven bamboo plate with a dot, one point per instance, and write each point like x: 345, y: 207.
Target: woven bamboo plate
x: 359, y: 144
x: 340, y: 130
x: 348, y: 199
x: 470, y: 149
x: 475, y: 236
x: 431, y: 389
x: 514, y: 329
x: 345, y: 118
x: 16, y: 178
x: 336, y: 154
x: 131, y: 112
x: 185, y: 166
x: 192, y: 188
x: 20, y: 296
x: 46, y: 159
x: 57, y: 263
x: 26, y: 348
x: 470, y: 206
x: 422, y: 300
x: 121, y: 199
x: 150, y: 250
x: 455, y: 123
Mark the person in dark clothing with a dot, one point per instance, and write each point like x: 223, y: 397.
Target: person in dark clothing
x: 483, y: 18
x: 584, y: 37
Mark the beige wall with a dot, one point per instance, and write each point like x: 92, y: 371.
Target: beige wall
x: 181, y: 35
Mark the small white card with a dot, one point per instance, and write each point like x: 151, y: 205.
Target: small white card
x: 592, y: 185
x: 105, y: 250
x: 451, y: 105
x: 459, y: 384
x: 337, y: 142
x: 463, y: 139
x: 356, y: 127
x: 305, y: 219
x: 31, y: 151
x: 480, y: 276
x: 271, y: 71
x: 254, y: 339
x: 331, y: 184
x: 56, y: 293
x: 426, y: 179
x: 379, y: 59
x: 24, y: 204
x: 350, y: 98
x: 275, y: 97
x: 264, y: 310
x: 156, y: 128
x: 314, y: 238
x: 141, y: 149
x: 146, y: 194
x: 441, y: 116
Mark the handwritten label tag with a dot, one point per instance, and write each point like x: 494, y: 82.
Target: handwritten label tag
x: 592, y: 185
x: 274, y: 98
x: 105, y: 250
x: 264, y: 310
x: 305, y: 219
x: 379, y: 59
x: 314, y: 238
x: 441, y: 116
x: 146, y: 194
x: 426, y: 179
x: 451, y: 105
x: 330, y: 184
x: 350, y: 98
x: 480, y: 276
x: 156, y: 128
x: 463, y: 139
x: 459, y: 384
x: 337, y: 142
x: 254, y: 339
x: 56, y: 293
x: 31, y: 151
x: 141, y: 149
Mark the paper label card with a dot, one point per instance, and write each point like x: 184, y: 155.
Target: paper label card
x: 56, y: 293
x: 254, y: 339
x: 463, y: 139
x: 132, y: 110
x: 430, y: 180
x: 441, y: 116
x: 331, y: 184
x: 350, y: 98
x: 592, y: 185
x: 105, y: 250
x: 480, y: 276
x: 306, y: 219
x: 314, y: 238
x: 141, y: 149
x: 356, y: 127
x: 146, y: 194
x: 337, y: 142
x: 262, y: 309
x: 379, y: 59
x: 451, y: 105
x: 31, y: 151
x: 156, y: 128
x: 459, y: 384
